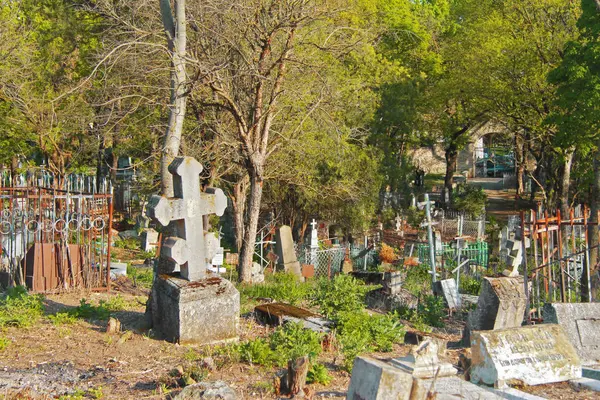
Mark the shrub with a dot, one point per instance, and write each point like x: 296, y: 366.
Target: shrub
x: 19, y: 308
x: 359, y: 332
x: 431, y: 310
x: 417, y: 280
x: 469, y: 199
x: 470, y: 285
x: 387, y: 254
x: 318, y: 374
x: 292, y: 341
x: 343, y: 293
x: 256, y: 351
x: 283, y: 287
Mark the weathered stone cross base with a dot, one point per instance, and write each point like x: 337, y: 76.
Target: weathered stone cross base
x: 199, y: 312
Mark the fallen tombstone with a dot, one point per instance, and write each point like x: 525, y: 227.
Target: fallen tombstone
x: 280, y: 313
x: 117, y: 269
x: 529, y: 355
x: 581, y: 323
x: 501, y: 304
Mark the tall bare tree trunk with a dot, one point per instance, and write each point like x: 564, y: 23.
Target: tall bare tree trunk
x: 176, y: 37
x: 247, y: 250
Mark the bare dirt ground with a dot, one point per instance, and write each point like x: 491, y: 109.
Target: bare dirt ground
x: 47, y: 360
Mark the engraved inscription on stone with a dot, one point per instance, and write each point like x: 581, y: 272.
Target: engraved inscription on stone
x: 588, y: 331
x: 531, y: 355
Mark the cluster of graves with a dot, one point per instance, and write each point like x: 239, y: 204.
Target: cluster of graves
x: 501, y: 352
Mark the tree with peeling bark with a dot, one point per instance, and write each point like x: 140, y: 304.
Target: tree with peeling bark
x: 242, y: 51
x: 174, y: 22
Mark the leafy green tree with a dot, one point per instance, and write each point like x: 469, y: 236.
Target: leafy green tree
x: 578, y: 101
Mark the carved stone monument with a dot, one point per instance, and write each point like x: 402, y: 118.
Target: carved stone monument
x: 529, y: 355
x: 501, y: 305
x: 189, y: 307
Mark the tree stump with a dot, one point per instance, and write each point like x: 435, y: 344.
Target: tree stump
x: 297, y: 371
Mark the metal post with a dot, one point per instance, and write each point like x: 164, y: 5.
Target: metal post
x: 431, y: 241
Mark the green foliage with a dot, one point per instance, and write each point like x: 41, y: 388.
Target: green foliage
x: 142, y: 277
x: 318, y: 374
x: 102, y: 311
x: 470, y: 285
x: 4, y: 342
x: 469, y: 199
x: 431, y: 309
x: 418, y: 280
x: 358, y: 332
x: 257, y: 351
x: 63, y: 318
x: 284, y: 287
x: 414, y: 217
x: 128, y: 243
x: 287, y: 342
x: 344, y: 293
x: 292, y: 341
x: 19, y: 308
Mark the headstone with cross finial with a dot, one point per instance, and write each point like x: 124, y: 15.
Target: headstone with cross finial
x: 185, y: 212
x: 190, y: 307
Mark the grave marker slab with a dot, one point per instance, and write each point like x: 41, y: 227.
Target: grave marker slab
x: 529, y: 355
x: 581, y: 323
x: 450, y: 292
x: 284, y: 244
x: 501, y: 304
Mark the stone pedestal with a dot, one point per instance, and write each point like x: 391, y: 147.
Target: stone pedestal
x: 200, y: 312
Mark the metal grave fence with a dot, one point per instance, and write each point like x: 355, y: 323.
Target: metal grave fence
x: 54, y: 239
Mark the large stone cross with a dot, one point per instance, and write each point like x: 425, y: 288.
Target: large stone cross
x: 185, y: 211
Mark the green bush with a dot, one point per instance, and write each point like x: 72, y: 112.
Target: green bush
x: 470, y: 285
x: 469, y: 199
x: 292, y: 341
x: 19, y: 308
x: 257, y: 351
x: 318, y: 374
x: 431, y: 310
x: 358, y: 332
x: 418, y: 280
x: 342, y: 294
x: 284, y: 287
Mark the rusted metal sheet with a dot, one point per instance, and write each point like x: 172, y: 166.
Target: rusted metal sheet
x: 274, y: 313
